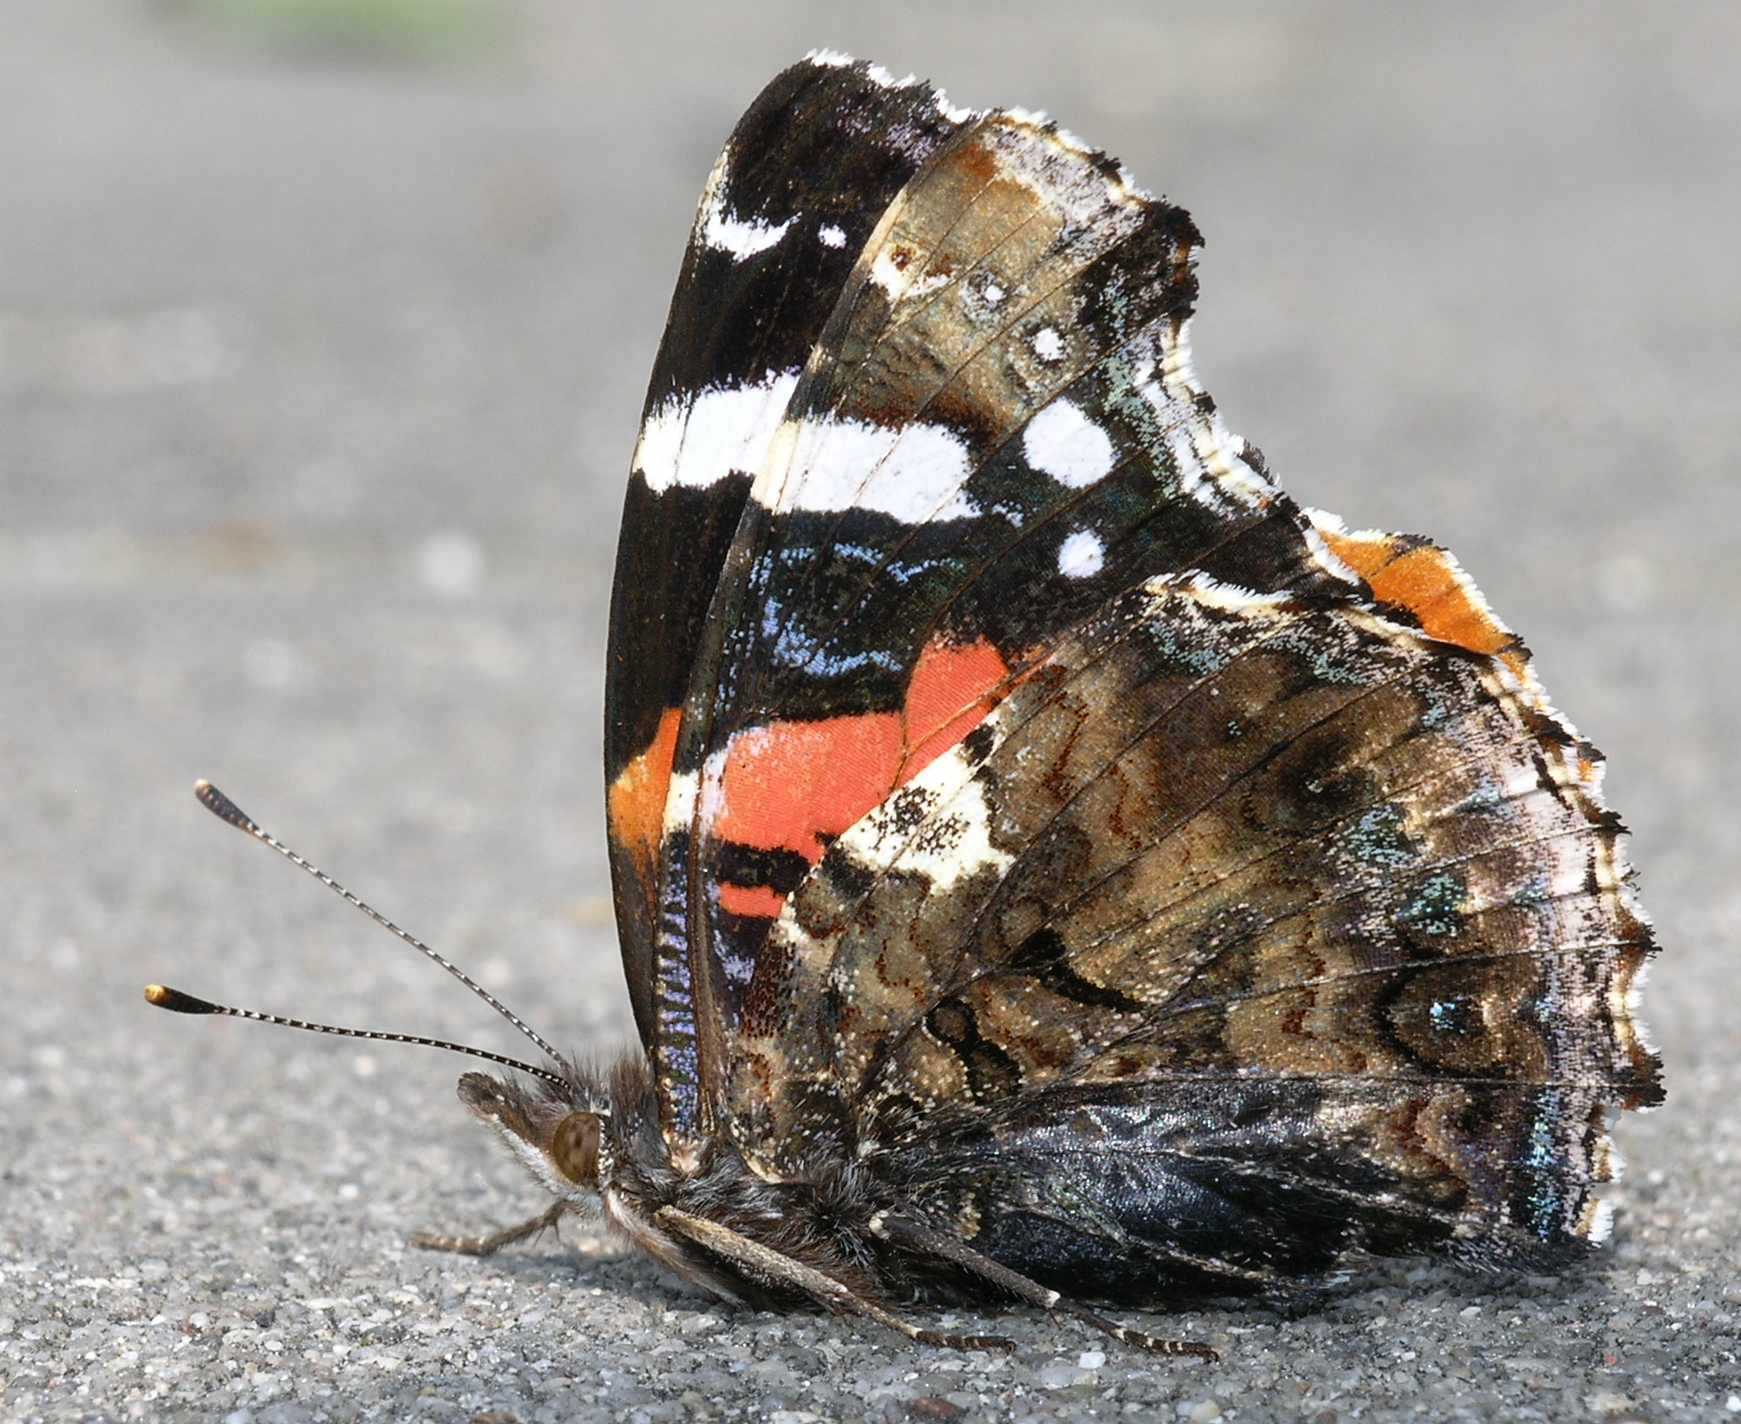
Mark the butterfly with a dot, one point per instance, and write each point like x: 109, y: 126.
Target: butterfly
x: 1050, y: 864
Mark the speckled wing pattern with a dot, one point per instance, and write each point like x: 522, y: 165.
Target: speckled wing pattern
x: 1014, y: 792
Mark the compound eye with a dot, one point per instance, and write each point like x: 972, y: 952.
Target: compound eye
x: 574, y: 1148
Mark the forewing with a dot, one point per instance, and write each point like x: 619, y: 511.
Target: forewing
x: 1246, y: 922
x: 997, y: 429
x: 792, y: 200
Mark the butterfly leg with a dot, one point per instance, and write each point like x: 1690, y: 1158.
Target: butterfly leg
x: 767, y: 1264
x: 489, y: 1245
x: 921, y: 1240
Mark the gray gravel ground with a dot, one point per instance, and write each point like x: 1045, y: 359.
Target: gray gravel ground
x: 319, y: 371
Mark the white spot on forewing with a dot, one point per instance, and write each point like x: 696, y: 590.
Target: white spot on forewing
x: 724, y: 230
x: 1081, y: 555
x: 829, y: 58
x: 1061, y: 441
x: 1048, y: 345
x: 914, y: 473
x: 742, y: 237
x: 698, y: 441
x: 832, y: 236
x: 710, y: 794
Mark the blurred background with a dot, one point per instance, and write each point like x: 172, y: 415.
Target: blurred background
x: 324, y: 326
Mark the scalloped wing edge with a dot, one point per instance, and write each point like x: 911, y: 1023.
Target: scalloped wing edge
x: 1422, y: 586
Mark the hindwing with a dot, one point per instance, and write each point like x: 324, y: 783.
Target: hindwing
x: 1240, y: 909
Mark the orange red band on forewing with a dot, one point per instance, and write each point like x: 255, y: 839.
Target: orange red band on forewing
x: 951, y: 692
x: 794, y: 786
x: 635, y: 805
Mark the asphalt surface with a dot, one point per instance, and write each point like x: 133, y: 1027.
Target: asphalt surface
x: 319, y: 371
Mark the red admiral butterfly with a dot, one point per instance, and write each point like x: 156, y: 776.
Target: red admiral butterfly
x: 1049, y: 862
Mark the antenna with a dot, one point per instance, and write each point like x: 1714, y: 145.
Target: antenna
x: 228, y: 811
x: 163, y: 997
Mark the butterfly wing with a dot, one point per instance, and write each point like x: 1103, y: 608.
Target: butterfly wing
x: 1061, y: 822
x: 759, y: 280
x: 996, y: 429
x: 1247, y: 931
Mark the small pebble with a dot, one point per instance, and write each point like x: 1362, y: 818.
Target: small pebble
x: 1060, y: 1374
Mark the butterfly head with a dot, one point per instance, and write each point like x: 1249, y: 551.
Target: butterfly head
x: 564, y: 1146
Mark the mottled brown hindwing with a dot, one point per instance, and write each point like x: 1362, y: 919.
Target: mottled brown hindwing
x: 1222, y: 839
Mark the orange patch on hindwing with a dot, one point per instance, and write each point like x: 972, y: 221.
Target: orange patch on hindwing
x: 1425, y: 580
